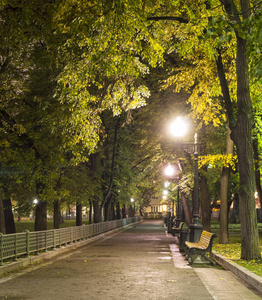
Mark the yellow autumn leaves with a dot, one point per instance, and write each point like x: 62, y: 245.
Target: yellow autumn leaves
x: 218, y: 160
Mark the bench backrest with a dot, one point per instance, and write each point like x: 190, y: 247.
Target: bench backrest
x: 205, y: 238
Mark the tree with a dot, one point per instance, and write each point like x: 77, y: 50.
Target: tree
x: 242, y: 133
x: 2, y: 218
x: 230, y: 27
x: 223, y: 237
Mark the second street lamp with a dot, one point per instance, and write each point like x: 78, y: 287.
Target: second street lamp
x: 133, y: 201
x: 170, y: 172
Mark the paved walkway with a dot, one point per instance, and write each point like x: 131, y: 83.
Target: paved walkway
x: 139, y: 263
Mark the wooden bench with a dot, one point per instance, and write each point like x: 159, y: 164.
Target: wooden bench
x: 201, y: 248
x: 176, y: 230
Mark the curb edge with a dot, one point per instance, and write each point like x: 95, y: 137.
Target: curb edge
x: 249, y: 277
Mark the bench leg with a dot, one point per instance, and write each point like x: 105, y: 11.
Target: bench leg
x: 192, y: 255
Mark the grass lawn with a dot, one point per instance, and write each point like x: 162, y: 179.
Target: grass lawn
x: 232, y: 250
x: 29, y: 225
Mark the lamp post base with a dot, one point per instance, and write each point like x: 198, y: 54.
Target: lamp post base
x: 195, y: 232
x: 170, y: 224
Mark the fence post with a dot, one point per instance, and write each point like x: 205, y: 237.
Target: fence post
x: 54, y: 239
x: 46, y: 241
x: 1, y: 249
x: 71, y: 235
x: 15, y: 259
x: 27, y: 242
x: 85, y: 231
x: 37, y: 242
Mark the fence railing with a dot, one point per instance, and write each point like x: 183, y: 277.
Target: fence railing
x: 15, y: 245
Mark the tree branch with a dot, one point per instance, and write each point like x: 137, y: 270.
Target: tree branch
x: 225, y: 90
x: 169, y: 18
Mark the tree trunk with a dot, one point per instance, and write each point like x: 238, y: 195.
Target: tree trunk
x: 97, y: 211
x: 108, y: 196
x: 106, y: 211
x: 112, y: 211
x: 235, y: 213
x: 223, y: 214
x: 95, y: 202
x: 2, y: 218
x: 56, y: 214
x: 79, y: 215
x: 257, y: 173
x: 69, y: 212
x: 118, y: 212
x: 242, y: 136
x: 90, y: 211
x: 41, y: 216
x: 131, y: 212
x: 187, y: 211
x: 204, y: 191
x: 223, y: 236
x: 205, y: 202
x: 9, y: 217
x: 123, y: 211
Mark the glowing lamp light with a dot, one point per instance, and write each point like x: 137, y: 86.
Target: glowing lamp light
x: 170, y: 170
x: 178, y: 127
x: 165, y: 192
x: 167, y: 184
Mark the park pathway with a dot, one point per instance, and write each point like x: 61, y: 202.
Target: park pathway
x: 141, y: 262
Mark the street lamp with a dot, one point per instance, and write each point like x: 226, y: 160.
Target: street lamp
x: 178, y: 128
x: 133, y: 201
x: 170, y: 171
x: 35, y: 202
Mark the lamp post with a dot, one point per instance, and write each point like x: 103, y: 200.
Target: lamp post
x: 178, y: 128
x: 195, y: 228
x: 170, y: 171
x: 178, y: 217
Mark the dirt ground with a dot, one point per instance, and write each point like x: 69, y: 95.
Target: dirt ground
x: 134, y: 264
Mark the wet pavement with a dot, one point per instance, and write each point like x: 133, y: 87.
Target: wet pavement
x: 142, y: 262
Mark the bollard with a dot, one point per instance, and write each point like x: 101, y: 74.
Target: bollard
x: 183, y: 237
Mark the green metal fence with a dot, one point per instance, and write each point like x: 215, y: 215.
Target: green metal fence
x: 16, y: 245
